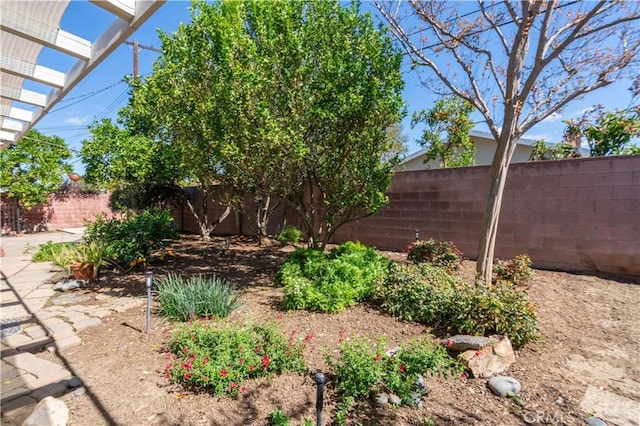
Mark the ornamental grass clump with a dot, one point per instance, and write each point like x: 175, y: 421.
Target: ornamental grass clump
x: 219, y: 357
x: 331, y: 283
x: 197, y: 296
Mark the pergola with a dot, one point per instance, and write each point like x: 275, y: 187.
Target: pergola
x: 27, y: 26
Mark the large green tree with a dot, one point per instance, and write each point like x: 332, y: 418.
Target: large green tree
x: 286, y: 100
x: 517, y: 63
x: 34, y: 168
x: 446, y: 135
x: 608, y: 132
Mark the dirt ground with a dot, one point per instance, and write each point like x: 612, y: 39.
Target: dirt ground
x: 590, y: 336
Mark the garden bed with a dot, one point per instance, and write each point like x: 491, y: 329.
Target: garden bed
x: 589, y: 333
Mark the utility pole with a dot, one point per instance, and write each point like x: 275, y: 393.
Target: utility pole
x: 137, y: 46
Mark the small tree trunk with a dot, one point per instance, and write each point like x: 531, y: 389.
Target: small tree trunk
x: 486, y: 249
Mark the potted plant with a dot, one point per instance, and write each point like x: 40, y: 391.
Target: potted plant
x: 86, y: 259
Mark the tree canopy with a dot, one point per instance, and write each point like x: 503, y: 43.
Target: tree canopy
x: 517, y: 64
x: 446, y: 136
x: 290, y: 100
x: 34, y: 168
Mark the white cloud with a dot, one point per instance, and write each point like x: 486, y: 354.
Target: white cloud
x: 552, y: 118
x: 77, y: 120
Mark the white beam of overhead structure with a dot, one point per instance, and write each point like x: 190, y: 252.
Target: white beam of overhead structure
x: 26, y: 27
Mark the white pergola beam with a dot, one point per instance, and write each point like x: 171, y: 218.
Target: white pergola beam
x: 12, y: 125
x: 41, y: 33
x: 33, y: 72
x: 123, y: 9
x: 21, y: 114
x: 23, y: 95
x: 7, y: 136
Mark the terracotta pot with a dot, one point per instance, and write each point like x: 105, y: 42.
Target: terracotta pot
x: 74, y: 177
x: 81, y: 271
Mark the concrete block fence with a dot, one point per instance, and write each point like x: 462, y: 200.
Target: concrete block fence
x: 580, y: 215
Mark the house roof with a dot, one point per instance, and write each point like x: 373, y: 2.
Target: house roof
x: 486, y: 136
x: 28, y: 26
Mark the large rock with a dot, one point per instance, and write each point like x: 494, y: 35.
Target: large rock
x: 49, y: 412
x: 464, y: 342
x: 490, y: 360
x: 504, y: 385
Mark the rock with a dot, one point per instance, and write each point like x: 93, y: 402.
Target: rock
x: 50, y: 412
x: 393, y: 352
x: 394, y: 399
x: 594, y: 421
x: 503, y: 385
x: 463, y: 342
x: 381, y: 399
x: 560, y: 400
x: 416, y: 400
x: 67, y: 285
x: 80, y: 391
x: 75, y: 382
x: 490, y: 360
x: 420, y: 383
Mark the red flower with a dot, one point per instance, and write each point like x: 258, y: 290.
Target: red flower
x: 205, y: 360
x: 186, y: 376
x: 233, y: 385
x: 307, y: 338
x: 449, y: 343
x: 167, y: 375
x: 378, y: 357
x: 464, y: 376
x: 243, y: 388
x: 251, y: 368
x: 224, y: 373
x: 185, y: 350
x: 476, y: 355
x: 279, y: 316
x: 403, y: 368
x: 265, y: 361
x: 168, y: 355
x: 242, y: 360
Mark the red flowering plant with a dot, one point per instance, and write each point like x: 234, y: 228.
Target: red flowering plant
x: 219, y: 358
x: 439, y: 253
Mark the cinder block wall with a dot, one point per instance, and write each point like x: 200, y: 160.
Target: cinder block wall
x: 575, y: 215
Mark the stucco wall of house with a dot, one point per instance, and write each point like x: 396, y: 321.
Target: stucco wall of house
x: 574, y: 215
x: 485, y: 150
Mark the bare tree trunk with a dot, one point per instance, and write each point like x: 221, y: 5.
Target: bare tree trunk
x: 486, y: 249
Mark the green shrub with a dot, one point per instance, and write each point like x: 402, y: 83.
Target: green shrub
x: 438, y: 253
x: 131, y: 240
x: 48, y: 252
x: 289, y: 235
x: 515, y: 271
x: 421, y: 293
x: 363, y: 368
x: 278, y: 418
x: 218, y: 357
x: 429, y: 295
x: 198, y: 296
x: 332, y: 282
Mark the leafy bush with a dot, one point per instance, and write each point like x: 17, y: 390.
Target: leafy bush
x: 278, y: 418
x: 438, y: 253
x: 219, y: 358
x: 289, y: 235
x: 333, y: 282
x: 197, y: 296
x: 515, y: 271
x: 48, y: 252
x: 131, y: 240
x: 430, y: 296
x: 364, y: 368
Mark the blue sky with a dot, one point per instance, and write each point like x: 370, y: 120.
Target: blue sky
x: 103, y: 91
